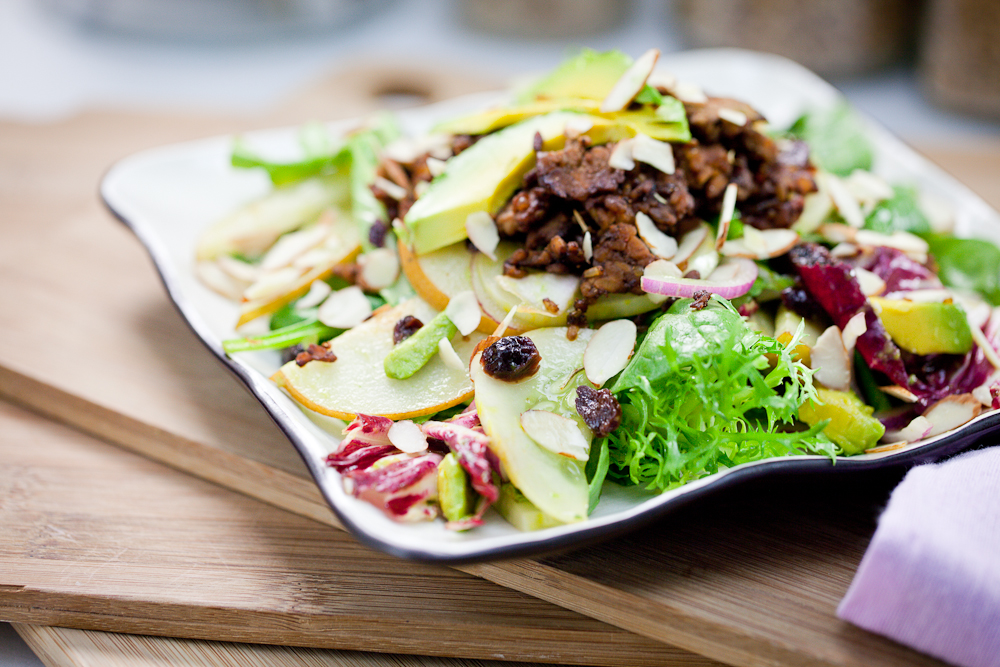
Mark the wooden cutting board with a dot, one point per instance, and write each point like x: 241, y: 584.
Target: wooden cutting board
x: 88, y: 337
x: 97, y: 537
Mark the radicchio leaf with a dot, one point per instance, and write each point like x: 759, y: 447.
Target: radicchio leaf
x: 405, y: 489
x: 471, y: 447
x: 366, y: 440
x: 898, y: 270
x: 833, y: 286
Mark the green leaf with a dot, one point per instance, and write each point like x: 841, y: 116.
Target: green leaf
x: 837, y: 139
x: 282, y: 173
x: 597, y: 471
x: 704, y: 392
x: 971, y: 264
x: 649, y: 95
x: 901, y: 213
x: 306, y: 331
x: 364, y: 148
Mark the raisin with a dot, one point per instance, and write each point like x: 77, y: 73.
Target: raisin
x: 405, y: 327
x: 600, y: 409
x: 377, y: 232
x: 511, y: 359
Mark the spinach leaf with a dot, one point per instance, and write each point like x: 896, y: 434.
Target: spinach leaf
x: 972, y: 264
x: 836, y: 138
x: 901, y: 213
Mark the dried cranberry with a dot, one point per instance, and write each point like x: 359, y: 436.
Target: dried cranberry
x: 600, y: 409
x: 511, y: 359
x: 405, y: 327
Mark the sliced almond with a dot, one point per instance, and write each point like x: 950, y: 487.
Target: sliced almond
x: 436, y: 166
x: 219, y: 281
x: 407, y: 437
x: 394, y: 190
x: 902, y: 393
x: 836, y: 232
x: 690, y: 242
x: 463, y: 311
x: 482, y: 231
x: 983, y: 343
x: 844, y: 250
x: 655, y: 153
x: 686, y: 91
x: 899, y: 240
x: 871, y: 284
x: 588, y: 246
x: 609, y: 350
x: 816, y: 209
x: 845, y: 202
x: 378, y: 269
x: 577, y: 126
x: 345, y: 309
x: 761, y: 244
x: 621, y: 156
x: 663, y: 246
x: 940, y: 213
x: 868, y: 188
x: 930, y: 295
x: 450, y: 357
x: 291, y: 245
x: 984, y: 392
x: 918, y: 429
x: 318, y: 291
x: 272, y: 282
x: 951, y: 412
x: 733, y: 116
x: 830, y: 360
x: 238, y: 269
x: 855, y: 327
x: 661, y: 78
x: 631, y: 82
x: 321, y: 256
x: 662, y: 268
x: 558, y: 434
x: 726, y: 215
x: 504, y: 323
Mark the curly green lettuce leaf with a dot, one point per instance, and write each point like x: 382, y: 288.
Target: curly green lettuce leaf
x: 703, y: 393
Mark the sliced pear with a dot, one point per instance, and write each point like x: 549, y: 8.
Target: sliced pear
x: 254, y: 228
x: 356, y: 382
x: 556, y: 485
x: 343, y: 245
x: 438, y: 276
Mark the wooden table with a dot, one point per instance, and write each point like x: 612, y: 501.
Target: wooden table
x: 87, y: 337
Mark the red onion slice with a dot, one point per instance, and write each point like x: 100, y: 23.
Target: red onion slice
x: 733, y: 278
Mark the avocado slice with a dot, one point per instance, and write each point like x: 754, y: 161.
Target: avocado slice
x: 851, y: 426
x: 590, y: 75
x: 484, y: 176
x: 925, y: 328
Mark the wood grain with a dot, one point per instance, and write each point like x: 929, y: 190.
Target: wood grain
x: 64, y: 647
x: 751, y: 578
x: 95, y: 537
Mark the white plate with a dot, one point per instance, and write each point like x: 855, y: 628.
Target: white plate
x: 169, y: 195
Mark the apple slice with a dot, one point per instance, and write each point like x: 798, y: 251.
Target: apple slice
x: 556, y: 484
x: 439, y: 275
x: 356, y: 382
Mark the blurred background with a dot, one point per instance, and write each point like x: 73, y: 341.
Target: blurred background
x: 928, y: 69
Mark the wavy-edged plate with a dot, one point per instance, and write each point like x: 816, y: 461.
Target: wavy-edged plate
x: 168, y: 195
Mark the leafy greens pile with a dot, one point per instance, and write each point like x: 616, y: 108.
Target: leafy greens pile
x: 703, y: 392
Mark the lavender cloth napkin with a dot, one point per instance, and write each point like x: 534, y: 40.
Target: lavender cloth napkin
x: 930, y: 578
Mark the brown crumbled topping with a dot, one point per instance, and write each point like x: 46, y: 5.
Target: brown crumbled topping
x: 701, y: 299
x: 405, y: 327
x: 600, y: 409
x: 316, y: 353
x: 511, y: 359
x: 550, y: 305
x: 462, y: 141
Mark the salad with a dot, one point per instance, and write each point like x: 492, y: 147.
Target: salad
x: 612, y: 278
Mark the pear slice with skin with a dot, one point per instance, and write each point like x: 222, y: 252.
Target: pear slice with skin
x: 356, y: 382
x: 439, y: 275
x: 557, y: 485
